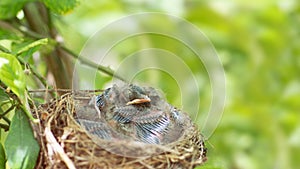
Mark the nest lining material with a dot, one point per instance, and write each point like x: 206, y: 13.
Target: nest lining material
x: 65, y: 144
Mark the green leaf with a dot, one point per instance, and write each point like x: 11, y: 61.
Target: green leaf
x: 11, y: 74
x: 8, y: 34
x: 21, y: 147
x: 25, y: 47
x: 61, y: 6
x: 10, y: 8
x: 2, y: 157
x: 3, y: 96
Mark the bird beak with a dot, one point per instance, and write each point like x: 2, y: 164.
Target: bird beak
x: 146, y: 99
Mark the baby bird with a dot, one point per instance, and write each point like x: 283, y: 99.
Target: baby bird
x: 143, y: 120
x: 138, y: 112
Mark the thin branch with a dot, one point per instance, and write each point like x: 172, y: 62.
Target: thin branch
x: 20, y: 30
x: 36, y: 15
x: 63, y: 90
x: 35, y: 72
x: 7, y: 26
x: 55, y: 146
x: 82, y: 59
x: 87, y: 62
x: 101, y: 68
x: 7, y: 111
x: 30, y: 33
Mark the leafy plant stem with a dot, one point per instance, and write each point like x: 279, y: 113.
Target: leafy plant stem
x: 87, y: 62
x: 82, y: 59
x: 35, y: 72
x: 7, y: 26
x: 38, y: 19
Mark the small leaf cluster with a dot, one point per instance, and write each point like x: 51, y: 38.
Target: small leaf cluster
x: 9, y: 8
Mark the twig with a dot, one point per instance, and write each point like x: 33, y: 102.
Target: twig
x: 36, y: 15
x: 63, y: 90
x: 82, y: 59
x: 21, y: 30
x: 41, y: 78
x: 8, y: 26
x: 30, y: 33
x: 2, y: 116
x: 35, y: 72
x: 52, y: 142
x: 87, y: 62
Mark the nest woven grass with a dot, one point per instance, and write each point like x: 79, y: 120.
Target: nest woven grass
x: 65, y: 144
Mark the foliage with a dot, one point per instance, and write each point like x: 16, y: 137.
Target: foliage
x: 2, y: 156
x: 12, y: 74
x: 21, y: 147
x: 22, y: 37
x: 62, y: 6
x: 257, y: 44
x: 9, y: 9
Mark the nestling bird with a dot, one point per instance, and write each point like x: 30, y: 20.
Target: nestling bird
x: 131, y: 112
x: 126, y: 126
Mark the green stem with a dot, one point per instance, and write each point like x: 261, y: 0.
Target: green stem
x: 101, y: 68
x: 7, y: 111
x: 7, y: 26
x: 63, y: 90
x: 37, y: 16
x: 35, y: 72
x: 87, y: 62
x: 82, y: 59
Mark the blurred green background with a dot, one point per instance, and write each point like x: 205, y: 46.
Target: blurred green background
x: 258, y: 45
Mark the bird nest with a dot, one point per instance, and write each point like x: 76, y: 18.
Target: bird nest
x: 68, y: 142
